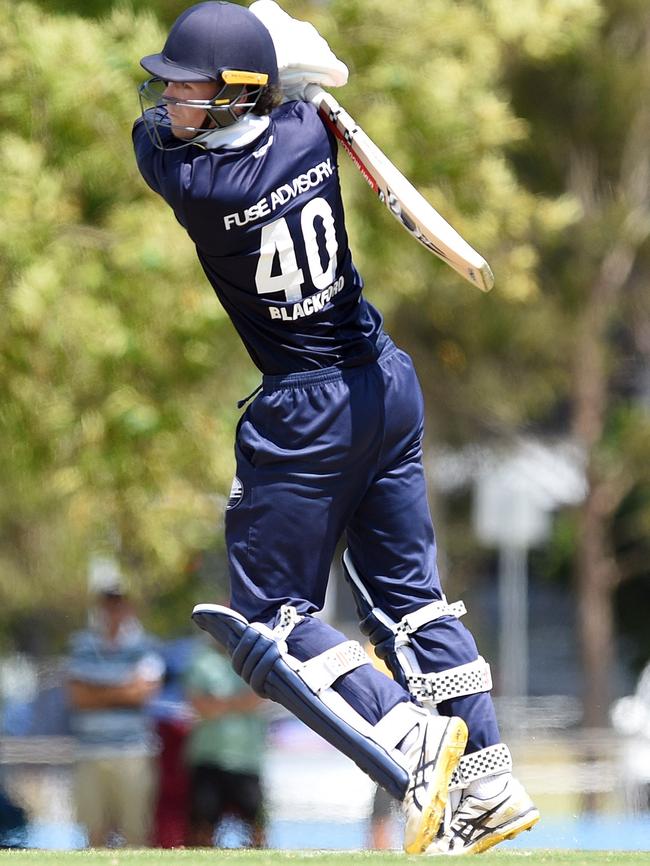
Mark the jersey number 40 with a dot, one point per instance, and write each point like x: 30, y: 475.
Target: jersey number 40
x: 277, y: 245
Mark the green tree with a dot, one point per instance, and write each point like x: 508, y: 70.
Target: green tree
x: 117, y: 416
x: 164, y: 10
x: 431, y: 90
x: 119, y: 369
x: 589, y: 136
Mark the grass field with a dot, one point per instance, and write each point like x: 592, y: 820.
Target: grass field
x: 222, y: 857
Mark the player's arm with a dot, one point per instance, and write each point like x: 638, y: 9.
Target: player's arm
x: 209, y: 706
x: 160, y: 169
x: 148, y: 158
x: 92, y: 696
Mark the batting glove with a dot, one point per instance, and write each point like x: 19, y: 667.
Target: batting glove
x: 304, y: 57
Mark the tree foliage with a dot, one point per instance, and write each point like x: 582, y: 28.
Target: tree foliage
x: 431, y: 90
x: 589, y: 137
x: 115, y: 354
x: 120, y: 370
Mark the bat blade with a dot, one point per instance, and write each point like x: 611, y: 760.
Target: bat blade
x: 408, y: 206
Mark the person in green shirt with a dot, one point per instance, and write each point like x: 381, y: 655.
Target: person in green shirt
x: 224, y: 749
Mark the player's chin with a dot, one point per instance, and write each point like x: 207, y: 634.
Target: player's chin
x: 183, y: 133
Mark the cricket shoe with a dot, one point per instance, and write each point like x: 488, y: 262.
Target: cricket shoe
x: 478, y: 824
x: 432, y: 759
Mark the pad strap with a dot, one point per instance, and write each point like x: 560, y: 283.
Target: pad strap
x: 491, y: 761
x: 321, y: 671
x: 410, y: 623
x: 469, y: 679
x: 424, y: 615
x: 288, y: 619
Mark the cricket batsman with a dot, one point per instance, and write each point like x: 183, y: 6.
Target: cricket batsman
x: 331, y: 443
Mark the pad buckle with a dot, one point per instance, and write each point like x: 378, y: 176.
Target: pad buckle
x: 469, y: 679
x: 424, y: 615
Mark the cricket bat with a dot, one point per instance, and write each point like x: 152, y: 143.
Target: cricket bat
x: 401, y: 198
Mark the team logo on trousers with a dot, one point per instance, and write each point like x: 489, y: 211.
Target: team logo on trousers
x: 236, y: 493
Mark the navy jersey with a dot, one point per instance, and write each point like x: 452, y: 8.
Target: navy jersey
x: 268, y: 224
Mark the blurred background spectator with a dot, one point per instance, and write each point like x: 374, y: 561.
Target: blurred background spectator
x: 384, y: 814
x: 631, y: 718
x: 113, y: 672
x: 384, y: 820
x: 173, y: 717
x: 225, y: 749
x: 13, y: 823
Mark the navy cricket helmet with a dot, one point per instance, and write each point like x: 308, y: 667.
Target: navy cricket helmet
x: 212, y: 41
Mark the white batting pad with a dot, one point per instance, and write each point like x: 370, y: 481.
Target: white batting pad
x: 320, y: 672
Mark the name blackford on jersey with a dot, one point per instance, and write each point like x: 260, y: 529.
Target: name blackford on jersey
x: 267, y: 221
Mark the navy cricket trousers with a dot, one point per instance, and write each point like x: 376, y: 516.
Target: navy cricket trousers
x: 336, y: 451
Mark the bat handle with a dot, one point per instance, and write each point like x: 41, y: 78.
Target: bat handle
x: 322, y: 99
x: 329, y: 107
